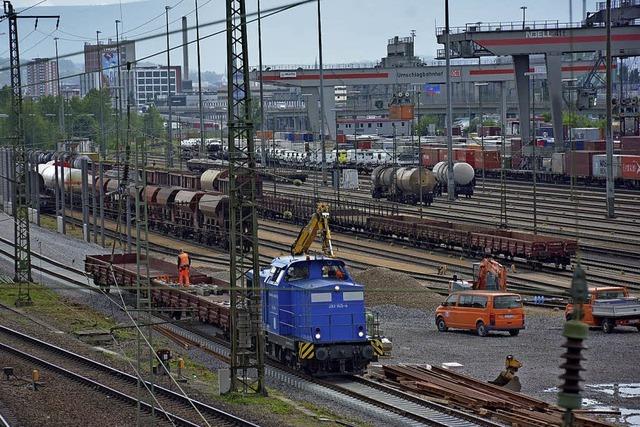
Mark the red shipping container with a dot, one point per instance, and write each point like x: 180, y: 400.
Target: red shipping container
x: 442, y: 154
x: 430, y: 156
x: 631, y: 167
x: 579, y: 163
x: 364, y: 145
x: 516, y: 147
x: 341, y: 138
x: 464, y: 155
x: 516, y: 161
x: 630, y: 144
x: 595, y: 146
x: 488, y: 160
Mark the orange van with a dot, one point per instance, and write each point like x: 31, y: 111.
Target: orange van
x: 482, y: 311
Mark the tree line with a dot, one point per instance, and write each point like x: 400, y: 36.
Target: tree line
x: 82, y: 119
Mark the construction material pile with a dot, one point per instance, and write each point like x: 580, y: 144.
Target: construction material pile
x: 487, y: 400
x: 384, y: 286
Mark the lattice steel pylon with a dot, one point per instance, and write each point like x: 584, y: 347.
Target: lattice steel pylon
x: 20, y: 203
x: 247, y: 340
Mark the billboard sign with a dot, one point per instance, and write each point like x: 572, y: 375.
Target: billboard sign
x: 109, y: 64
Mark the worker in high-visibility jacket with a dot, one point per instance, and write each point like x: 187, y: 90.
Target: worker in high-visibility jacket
x: 184, y: 263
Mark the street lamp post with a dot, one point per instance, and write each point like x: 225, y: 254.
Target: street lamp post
x: 479, y: 86
x: 524, y: 14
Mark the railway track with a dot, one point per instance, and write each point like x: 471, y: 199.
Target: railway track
x: 168, y: 405
x: 528, y: 286
x: 591, y: 235
x: 405, y: 408
x: 397, y: 406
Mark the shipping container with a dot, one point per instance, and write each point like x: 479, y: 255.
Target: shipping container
x: 630, y: 167
x: 488, y: 160
x: 516, y: 161
x: 587, y: 134
x: 464, y: 155
x: 341, y: 138
x: 579, y: 163
x: 401, y: 112
x: 430, y: 157
x: 516, y: 145
x: 443, y: 154
x: 557, y: 163
x: 599, y: 166
x: 490, y: 131
x: 264, y: 134
x: 545, y: 132
x: 630, y: 145
x: 364, y: 145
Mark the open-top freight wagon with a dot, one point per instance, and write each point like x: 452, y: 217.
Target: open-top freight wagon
x: 204, y: 300
x: 378, y: 221
x: 477, y: 240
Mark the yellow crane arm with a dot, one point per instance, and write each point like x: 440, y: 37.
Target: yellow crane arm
x: 319, y: 222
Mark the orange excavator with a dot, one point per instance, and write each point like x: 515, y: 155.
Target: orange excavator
x: 488, y: 275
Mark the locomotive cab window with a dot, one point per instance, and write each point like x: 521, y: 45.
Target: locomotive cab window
x: 334, y: 271
x: 297, y: 272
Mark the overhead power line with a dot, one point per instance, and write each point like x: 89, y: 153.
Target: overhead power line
x: 265, y: 14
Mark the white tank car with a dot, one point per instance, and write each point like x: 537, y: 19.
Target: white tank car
x: 463, y: 173
x: 72, y: 177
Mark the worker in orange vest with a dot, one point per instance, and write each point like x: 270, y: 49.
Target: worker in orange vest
x: 184, y: 263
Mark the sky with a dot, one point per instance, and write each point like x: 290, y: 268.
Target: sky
x: 353, y: 30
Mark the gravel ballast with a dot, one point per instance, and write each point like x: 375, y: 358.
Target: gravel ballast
x: 611, y: 358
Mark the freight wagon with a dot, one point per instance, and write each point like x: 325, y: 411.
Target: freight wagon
x: 121, y: 270
x: 378, y: 221
x: 477, y: 240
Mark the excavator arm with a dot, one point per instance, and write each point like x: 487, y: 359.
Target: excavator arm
x: 319, y: 223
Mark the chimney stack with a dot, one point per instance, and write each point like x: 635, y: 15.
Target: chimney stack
x: 185, y: 50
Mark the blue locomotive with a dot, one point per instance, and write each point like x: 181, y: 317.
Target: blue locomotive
x: 314, y: 316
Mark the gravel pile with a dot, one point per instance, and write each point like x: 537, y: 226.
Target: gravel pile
x: 384, y: 286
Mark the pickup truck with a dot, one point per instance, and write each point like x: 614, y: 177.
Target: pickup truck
x: 608, y: 307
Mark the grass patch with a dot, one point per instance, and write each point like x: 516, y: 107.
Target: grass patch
x: 67, y: 315
x: 269, y: 403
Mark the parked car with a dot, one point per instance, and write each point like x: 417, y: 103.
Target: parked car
x: 481, y: 311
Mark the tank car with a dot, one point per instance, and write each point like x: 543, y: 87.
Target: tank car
x: 403, y: 184
x: 314, y: 316
x: 463, y: 176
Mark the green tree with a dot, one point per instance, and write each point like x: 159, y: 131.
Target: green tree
x: 153, y: 124
x: 422, y: 127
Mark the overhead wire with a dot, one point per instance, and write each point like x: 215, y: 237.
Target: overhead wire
x: 266, y: 13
